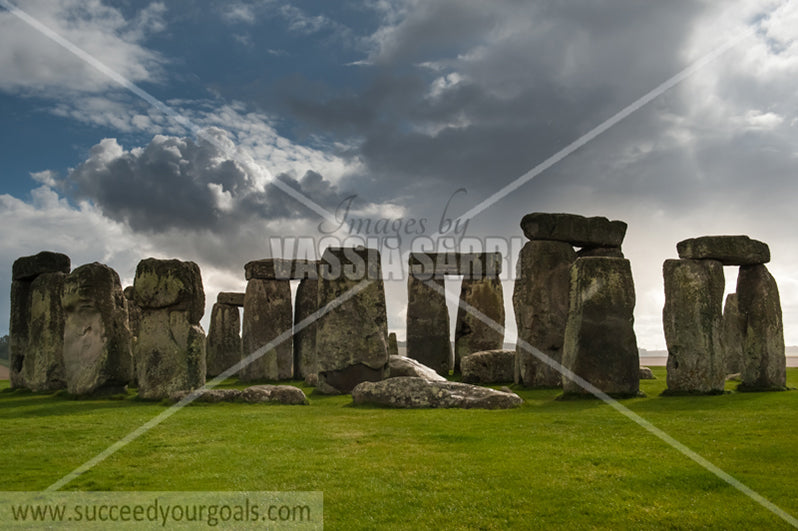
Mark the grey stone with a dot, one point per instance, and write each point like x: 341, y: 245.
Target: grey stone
x: 393, y: 345
x: 579, y: 231
x: 43, y: 363
x: 212, y: 396
x: 307, y: 303
x: 97, y: 350
x: 268, y: 320
x: 600, y: 344
x: 540, y: 301
x: 607, y: 252
x: 233, y: 299
x: 489, y: 366
x: 403, y: 366
x: 30, y: 267
x: 280, y: 269
x: 279, y: 394
x: 646, y: 374
x: 693, y: 322
x: 469, y: 265
x: 169, y: 354
x: 417, y: 393
x: 733, y: 330
x: 351, y: 339
x: 728, y: 250
x: 224, y: 339
x: 764, y: 361
x: 428, y: 324
x: 133, y: 324
x: 472, y: 334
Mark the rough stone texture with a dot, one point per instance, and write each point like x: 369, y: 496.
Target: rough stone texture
x: 307, y: 302
x: 646, y: 374
x: 351, y: 339
x: 43, y: 363
x: 280, y: 269
x: 393, y: 345
x: 267, y: 314
x: 233, y: 299
x: 600, y: 344
x: 472, y: 334
x: 224, y: 339
x: 693, y: 322
x: 470, y: 265
x: 428, y: 324
x: 97, y: 351
x: 403, y: 366
x: 170, y: 284
x: 733, y: 330
x: 30, y: 267
x: 728, y: 250
x: 540, y: 301
x: 212, y: 396
x: 574, y: 229
x: 764, y: 361
x: 489, y: 366
x: 607, y: 252
x: 280, y: 394
x: 417, y: 393
x: 133, y: 324
x: 169, y: 354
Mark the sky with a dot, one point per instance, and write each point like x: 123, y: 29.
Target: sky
x: 223, y: 132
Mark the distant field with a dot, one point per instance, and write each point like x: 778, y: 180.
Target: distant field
x: 546, y: 465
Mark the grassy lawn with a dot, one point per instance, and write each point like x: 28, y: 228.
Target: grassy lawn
x: 548, y: 464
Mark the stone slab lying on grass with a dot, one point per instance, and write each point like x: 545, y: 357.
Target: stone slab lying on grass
x: 728, y: 250
x: 209, y: 395
x: 646, y: 374
x: 256, y: 394
x: 488, y: 366
x: 417, y: 393
x: 403, y: 366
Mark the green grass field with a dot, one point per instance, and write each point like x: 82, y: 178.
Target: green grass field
x: 547, y: 465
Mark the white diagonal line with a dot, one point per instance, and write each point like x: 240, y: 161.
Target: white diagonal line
x: 147, y: 426
x: 623, y: 410
x: 181, y: 119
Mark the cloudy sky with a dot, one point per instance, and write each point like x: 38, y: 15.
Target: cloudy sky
x: 203, y: 130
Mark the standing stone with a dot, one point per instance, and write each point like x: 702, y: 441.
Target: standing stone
x: 224, y: 339
x: 24, y: 271
x: 393, y: 345
x: 600, y: 344
x: 733, y: 330
x: 43, y: 366
x: 170, y: 351
x: 267, y: 315
x: 764, y: 361
x: 134, y: 325
x: 97, y: 355
x: 471, y: 333
x: 540, y: 301
x: 307, y: 302
x: 351, y: 339
x: 428, y: 323
x: 693, y: 323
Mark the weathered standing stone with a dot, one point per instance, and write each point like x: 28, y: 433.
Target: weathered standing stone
x: 97, y: 355
x: 133, y: 313
x: 224, y: 339
x: 415, y: 393
x: 764, y: 361
x: 489, y: 366
x: 733, y: 330
x: 43, y: 364
x: 403, y: 366
x: 693, y: 322
x: 540, y: 301
x: 728, y: 250
x: 577, y: 230
x: 600, y: 344
x: 469, y: 265
x: 24, y: 272
x: 307, y: 302
x: 170, y: 351
x: 428, y: 324
x: 607, y: 252
x: 471, y: 334
x: 351, y: 339
x: 267, y: 315
x: 233, y: 299
x: 280, y: 269
x: 393, y: 345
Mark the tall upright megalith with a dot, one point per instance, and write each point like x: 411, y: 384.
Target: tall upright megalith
x: 428, y: 326
x: 97, y: 354
x: 170, y: 351
x: 306, y: 303
x: 484, y: 331
x: 693, y: 323
x: 733, y: 331
x: 36, y: 327
x: 224, y: 336
x: 351, y: 338
x: 600, y: 344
